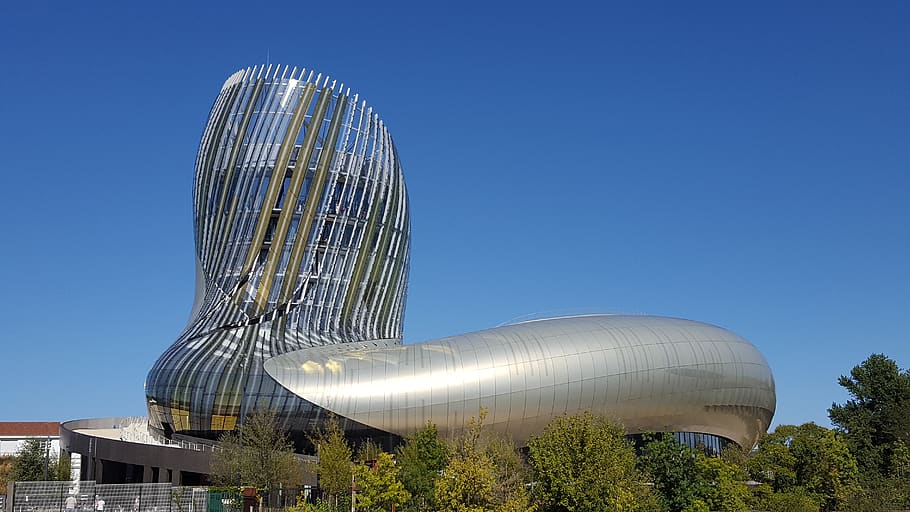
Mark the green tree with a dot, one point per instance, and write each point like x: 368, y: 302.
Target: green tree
x: 368, y: 451
x: 673, y: 470
x: 334, y: 468
x: 721, y: 484
x: 481, y: 473
x: 585, y: 463
x: 806, y: 458
x: 466, y: 484
x: 421, y: 459
x: 690, y: 481
x: 378, y: 486
x: 878, y: 414
x: 32, y: 461
x: 258, y: 454
x: 63, y: 468
x: 794, y: 500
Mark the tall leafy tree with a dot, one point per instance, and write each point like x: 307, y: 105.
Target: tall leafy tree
x: 721, y: 484
x: 689, y: 481
x: 257, y: 454
x: 584, y: 463
x: 480, y: 474
x: 673, y: 471
x: 806, y: 458
x: 421, y: 459
x: 378, y: 486
x: 877, y: 415
x: 32, y: 461
x: 334, y: 468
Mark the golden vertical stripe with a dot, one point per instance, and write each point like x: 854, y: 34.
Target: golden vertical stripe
x: 392, y: 287
x: 397, y: 265
x: 235, y: 151
x: 363, y: 255
x: 315, y: 193
x: 290, y: 203
x: 383, y: 246
x: 276, y: 179
x: 205, y: 165
x: 281, y: 162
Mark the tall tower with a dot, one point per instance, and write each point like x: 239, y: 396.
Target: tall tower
x: 302, y: 239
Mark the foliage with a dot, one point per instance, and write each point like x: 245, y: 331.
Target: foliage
x: 672, y: 469
x: 368, y: 451
x: 466, y: 484
x: 794, y: 500
x: 585, y: 463
x: 6, y: 471
x: 334, y: 467
x: 63, y: 469
x: 484, y: 473
x: 258, y: 454
x: 689, y: 481
x: 721, y: 484
x: 33, y: 459
x: 806, y: 457
x: 420, y: 460
x: 877, y: 416
x: 302, y: 506
x: 378, y: 487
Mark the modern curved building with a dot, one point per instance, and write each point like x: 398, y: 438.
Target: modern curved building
x: 302, y: 247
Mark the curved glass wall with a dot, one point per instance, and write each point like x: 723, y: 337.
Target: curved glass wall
x: 302, y: 239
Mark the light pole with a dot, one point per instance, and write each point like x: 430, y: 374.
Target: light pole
x: 47, y: 455
x: 242, y: 400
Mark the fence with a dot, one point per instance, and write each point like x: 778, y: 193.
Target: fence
x: 91, y: 497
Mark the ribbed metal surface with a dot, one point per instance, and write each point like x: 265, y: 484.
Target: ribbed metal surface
x: 651, y: 373
x: 302, y: 239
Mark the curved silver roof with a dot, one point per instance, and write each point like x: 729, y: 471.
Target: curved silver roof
x: 650, y: 373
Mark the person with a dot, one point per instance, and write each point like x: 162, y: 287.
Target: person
x: 70, y: 503
x: 99, y: 503
x: 136, y: 504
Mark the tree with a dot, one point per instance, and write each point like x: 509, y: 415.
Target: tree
x: 585, y: 463
x: 878, y: 414
x: 6, y: 471
x: 378, y: 487
x: 481, y: 473
x: 257, y: 454
x: 673, y: 471
x: 420, y: 460
x: 690, y: 481
x: 33, y: 461
x: 721, y: 484
x: 334, y: 467
x: 806, y: 458
x: 795, y: 500
x: 63, y: 468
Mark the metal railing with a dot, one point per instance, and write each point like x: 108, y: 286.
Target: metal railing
x: 134, y: 429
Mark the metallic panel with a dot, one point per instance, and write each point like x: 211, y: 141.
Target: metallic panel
x: 302, y: 249
x: 651, y: 373
x: 286, y: 184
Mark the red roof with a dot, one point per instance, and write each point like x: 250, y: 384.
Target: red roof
x: 29, y: 428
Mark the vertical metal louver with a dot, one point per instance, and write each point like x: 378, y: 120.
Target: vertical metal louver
x: 302, y: 239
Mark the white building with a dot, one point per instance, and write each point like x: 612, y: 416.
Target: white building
x: 14, y: 434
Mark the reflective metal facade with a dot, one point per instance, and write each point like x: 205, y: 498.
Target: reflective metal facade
x: 301, y: 224
x: 651, y: 373
x: 302, y: 247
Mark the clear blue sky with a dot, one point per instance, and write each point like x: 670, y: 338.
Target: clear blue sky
x: 742, y: 165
